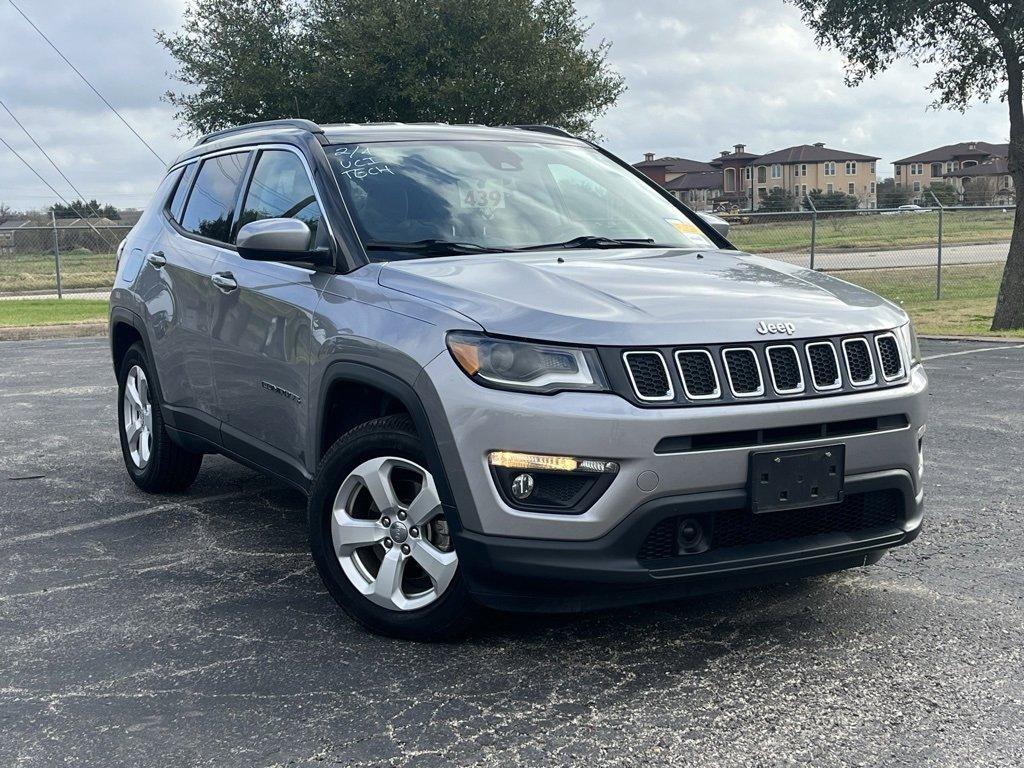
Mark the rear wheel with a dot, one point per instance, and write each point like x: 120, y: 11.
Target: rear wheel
x: 380, y: 538
x: 154, y: 462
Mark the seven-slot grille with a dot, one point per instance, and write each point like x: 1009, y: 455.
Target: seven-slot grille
x: 743, y: 372
x: 764, y: 370
x: 697, y: 370
x: 649, y: 375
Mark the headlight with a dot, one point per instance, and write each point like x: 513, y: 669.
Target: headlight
x: 526, y: 366
x: 909, y: 339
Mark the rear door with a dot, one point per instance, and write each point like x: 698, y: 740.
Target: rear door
x: 197, y: 226
x: 261, y: 335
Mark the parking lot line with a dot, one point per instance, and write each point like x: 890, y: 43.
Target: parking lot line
x: 972, y: 351
x: 166, y: 507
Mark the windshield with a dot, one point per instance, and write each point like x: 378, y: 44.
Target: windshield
x: 437, y: 198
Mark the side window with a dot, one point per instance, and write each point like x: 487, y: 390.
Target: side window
x: 212, y: 201
x: 280, y: 189
x: 177, y: 202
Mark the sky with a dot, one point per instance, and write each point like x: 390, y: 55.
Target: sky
x: 702, y: 76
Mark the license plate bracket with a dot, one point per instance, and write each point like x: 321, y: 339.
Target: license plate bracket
x: 803, y: 477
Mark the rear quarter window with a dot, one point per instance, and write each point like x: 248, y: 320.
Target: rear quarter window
x: 177, y: 202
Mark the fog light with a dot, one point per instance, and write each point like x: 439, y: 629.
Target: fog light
x: 522, y: 486
x: 551, y: 484
x: 546, y: 463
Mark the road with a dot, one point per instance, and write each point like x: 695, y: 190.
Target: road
x: 192, y: 630
x: 952, y: 253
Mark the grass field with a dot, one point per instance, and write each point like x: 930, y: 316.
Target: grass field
x: 32, y: 312
x: 788, y: 233
x: 36, y: 272
x: 969, y: 296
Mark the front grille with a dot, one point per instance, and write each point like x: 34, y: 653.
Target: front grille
x: 824, y: 365
x: 858, y: 362
x: 649, y: 375
x: 857, y: 513
x: 787, y: 376
x: 889, y: 354
x: 697, y: 369
x: 757, y: 371
x: 744, y: 373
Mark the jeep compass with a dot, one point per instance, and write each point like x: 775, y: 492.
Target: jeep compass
x: 508, y: 371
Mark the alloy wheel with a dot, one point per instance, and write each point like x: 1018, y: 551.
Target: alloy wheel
x: 138, y: 417
x: 390, y: 536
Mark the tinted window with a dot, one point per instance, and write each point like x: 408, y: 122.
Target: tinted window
x: 212, y: 201
x: 280, y: 189
x: 181, y: 191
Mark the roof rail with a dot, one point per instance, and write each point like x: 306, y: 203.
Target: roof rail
x: 304, y: 125
x: 546, y: 129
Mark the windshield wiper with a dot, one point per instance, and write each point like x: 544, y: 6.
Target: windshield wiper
x: 597, y: 241
x: 431, y: 247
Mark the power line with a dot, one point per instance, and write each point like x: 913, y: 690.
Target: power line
x: 86, y: 81
x: 52, y: 189
x: 56, y: 167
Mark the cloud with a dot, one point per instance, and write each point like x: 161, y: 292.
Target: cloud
x: 701, y: 76
x: 705, y: 76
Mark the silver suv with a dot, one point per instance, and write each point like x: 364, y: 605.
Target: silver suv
x: 508, y: 371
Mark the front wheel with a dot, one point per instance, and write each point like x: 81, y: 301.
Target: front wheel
x: 379, y: 536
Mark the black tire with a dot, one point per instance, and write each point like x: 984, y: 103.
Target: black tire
x: 451, y: 614
x: 170, y: 468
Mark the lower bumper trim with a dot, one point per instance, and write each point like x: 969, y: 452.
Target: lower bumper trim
x: 559, y: 576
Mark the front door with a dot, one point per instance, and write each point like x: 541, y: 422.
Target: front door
x: 261, y: 336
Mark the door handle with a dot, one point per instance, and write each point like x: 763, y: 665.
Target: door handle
x: 225, y: 281
x: 157, y: 259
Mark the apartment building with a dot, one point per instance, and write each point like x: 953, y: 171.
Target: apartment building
x: 696, y: 183
x: 806, y: 167
x: 952, y: 163
x: 746, y: 176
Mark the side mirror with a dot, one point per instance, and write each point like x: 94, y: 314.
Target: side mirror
x: 279, y: 240
x: 720, y: 225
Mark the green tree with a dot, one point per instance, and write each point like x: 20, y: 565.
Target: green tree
x: 944, y: 192
x: 494, y: 62
x: 5, y: 213
x: 977, y: 47
x: 890, y: 195
x: 832, y: 201
x: 92, y: 209
x: 777, y: 200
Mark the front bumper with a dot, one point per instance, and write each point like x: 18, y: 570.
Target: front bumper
x: 557, y: 576
x: 469, y: 421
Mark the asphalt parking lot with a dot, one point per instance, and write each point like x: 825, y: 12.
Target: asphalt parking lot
x: 166, y: 631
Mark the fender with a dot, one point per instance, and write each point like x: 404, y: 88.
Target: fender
x: 120, y: 315
x: 361, y: 373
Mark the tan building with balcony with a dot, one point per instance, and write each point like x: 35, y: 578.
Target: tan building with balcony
x: 742, y: 176
x: 807, y: 167
x: 944, y: 164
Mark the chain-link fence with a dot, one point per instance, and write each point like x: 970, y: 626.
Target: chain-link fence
x: 63, y: 259
x: 910, y: 255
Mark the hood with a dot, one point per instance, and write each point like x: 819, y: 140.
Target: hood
x: 639, y: 297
